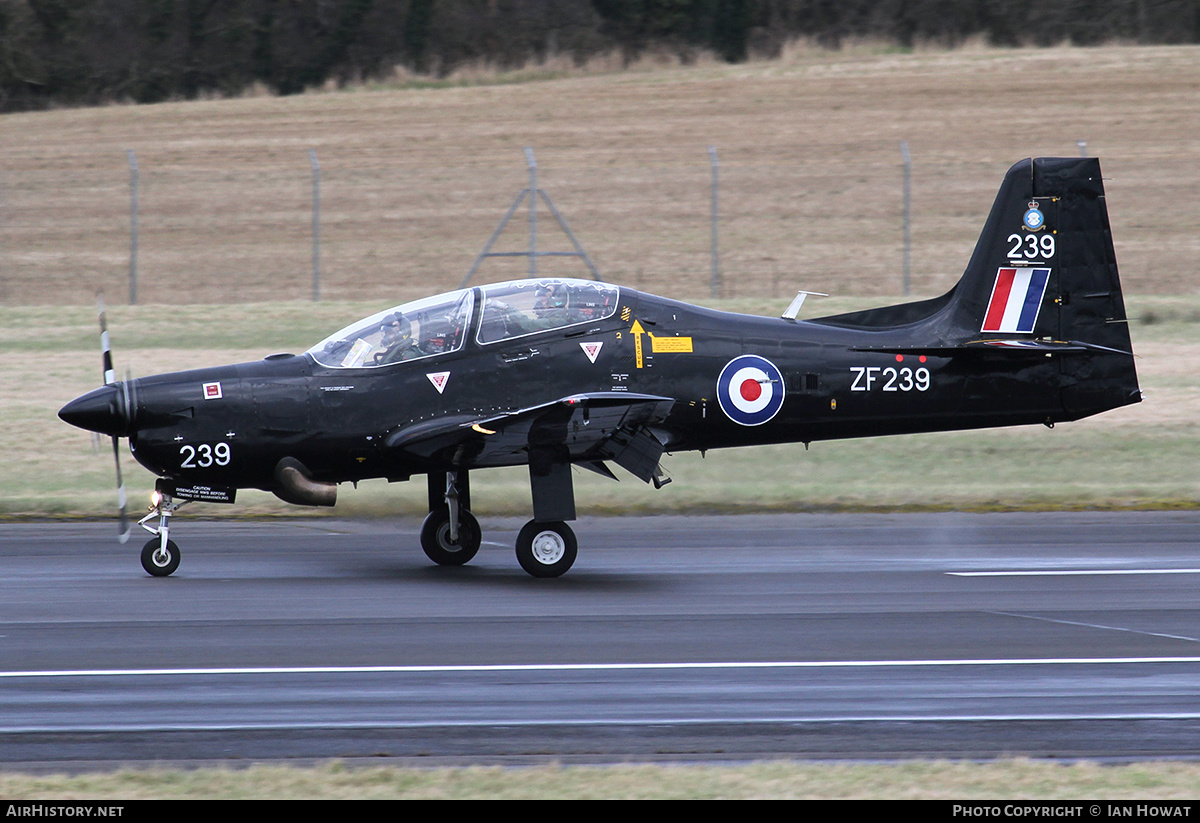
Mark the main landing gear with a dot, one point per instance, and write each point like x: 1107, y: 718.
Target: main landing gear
x: 546, y: 549
x: 160, y: 555
x: 450, y: 535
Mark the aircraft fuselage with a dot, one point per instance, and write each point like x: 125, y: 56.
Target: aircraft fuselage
x: 229, y: 426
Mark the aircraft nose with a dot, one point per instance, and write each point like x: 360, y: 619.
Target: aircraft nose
x: 98, y: 411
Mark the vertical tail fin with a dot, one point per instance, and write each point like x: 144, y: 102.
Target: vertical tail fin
x: 1044, y: 265
x: 1044, y: 270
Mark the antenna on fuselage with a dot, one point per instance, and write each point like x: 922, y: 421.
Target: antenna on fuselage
x: 793, y: 308
x: 533, y: 193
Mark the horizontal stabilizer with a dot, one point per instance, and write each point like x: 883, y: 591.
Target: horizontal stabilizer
x: 1014, y: 347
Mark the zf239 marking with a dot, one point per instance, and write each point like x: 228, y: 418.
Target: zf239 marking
x: 890, y: 378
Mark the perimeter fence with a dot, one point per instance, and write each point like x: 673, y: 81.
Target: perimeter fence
x: 199, y: 232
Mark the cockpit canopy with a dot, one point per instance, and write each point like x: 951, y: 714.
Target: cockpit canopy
x: 438, y: 325
x: 521, y: 307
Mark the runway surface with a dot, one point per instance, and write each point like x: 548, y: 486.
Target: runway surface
x: 675, y: 638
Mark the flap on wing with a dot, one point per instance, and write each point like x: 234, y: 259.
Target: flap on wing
x: 637, y: 451
x: 579, y: 422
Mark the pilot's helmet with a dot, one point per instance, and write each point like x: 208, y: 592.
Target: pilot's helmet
x: 550, y: 296
x: 396, y: 326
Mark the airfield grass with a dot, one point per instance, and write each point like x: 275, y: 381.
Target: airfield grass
x: 1016, y: 779
x: 1141, y: 456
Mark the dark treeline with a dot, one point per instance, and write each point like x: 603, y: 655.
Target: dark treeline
x: 72, y: 52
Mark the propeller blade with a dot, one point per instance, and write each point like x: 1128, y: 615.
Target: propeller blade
x: 122, y: 517
x: 105, y: 347
x: 110, y: 378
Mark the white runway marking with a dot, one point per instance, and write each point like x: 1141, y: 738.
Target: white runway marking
x: 1072, y: 573
x: 599, y: 667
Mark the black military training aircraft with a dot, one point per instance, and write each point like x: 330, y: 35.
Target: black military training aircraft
x: 555, y: 373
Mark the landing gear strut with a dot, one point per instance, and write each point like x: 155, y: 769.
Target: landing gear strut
x: 450, y: 535
x: 160, y: 555
x: 546, y: 546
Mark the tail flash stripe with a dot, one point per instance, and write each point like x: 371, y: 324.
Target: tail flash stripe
x: 995, y: 312
x: 1033, y: 299
x: 1016, y: 300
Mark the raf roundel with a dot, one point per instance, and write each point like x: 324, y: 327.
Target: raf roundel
x: 750, y: 390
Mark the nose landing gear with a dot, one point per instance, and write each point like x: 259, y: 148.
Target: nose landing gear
x: 160, y: 555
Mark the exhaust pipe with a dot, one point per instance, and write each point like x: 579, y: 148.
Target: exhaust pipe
x: 295, y: 485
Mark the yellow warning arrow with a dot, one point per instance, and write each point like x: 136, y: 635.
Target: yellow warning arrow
x: 637, y: 331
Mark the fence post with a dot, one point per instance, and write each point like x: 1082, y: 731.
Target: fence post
x: 714, y: 284
x: 532, y: 164
x: 907, y: 215
x: 133, y: 227
x: 316, y: 225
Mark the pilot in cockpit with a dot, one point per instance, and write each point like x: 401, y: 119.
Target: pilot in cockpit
x: 550, y: 308
x: 395, y: 342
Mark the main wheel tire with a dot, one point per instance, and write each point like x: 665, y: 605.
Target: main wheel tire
x: 159, y: 563
x: 546, y: 549
x: 435, y: 538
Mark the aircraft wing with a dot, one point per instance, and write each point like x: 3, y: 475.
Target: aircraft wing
x: 581, y: 428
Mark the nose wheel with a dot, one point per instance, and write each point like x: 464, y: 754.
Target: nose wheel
x: 160, y: 557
